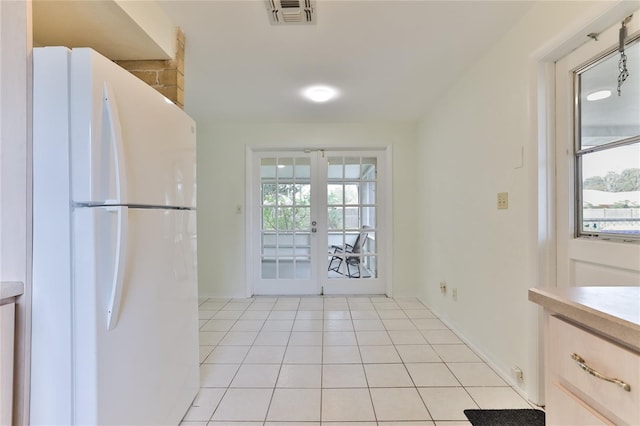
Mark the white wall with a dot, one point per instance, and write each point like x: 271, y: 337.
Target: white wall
x: 221, y: 187
x: 469, y: 146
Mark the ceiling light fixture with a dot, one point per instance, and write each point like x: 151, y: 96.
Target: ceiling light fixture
x: 320, y: 93
x: 600, y: 94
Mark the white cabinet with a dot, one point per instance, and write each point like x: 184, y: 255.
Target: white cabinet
x: 590, y: 380
x: 9, y: 291
x: 7, y: 327
x: 567, y: 409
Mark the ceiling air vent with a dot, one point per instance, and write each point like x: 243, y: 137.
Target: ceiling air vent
x: 292, y: 11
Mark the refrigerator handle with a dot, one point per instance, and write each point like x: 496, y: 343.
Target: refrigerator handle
x: 119, y: 266
x: 115, y: 129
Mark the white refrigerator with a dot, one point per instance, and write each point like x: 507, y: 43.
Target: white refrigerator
x: 114, y: 319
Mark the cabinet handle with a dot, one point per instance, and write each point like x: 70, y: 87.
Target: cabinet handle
x: 583, y: 364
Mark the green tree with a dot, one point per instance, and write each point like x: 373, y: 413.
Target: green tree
x: 285, y: 206
x: 630, y: 180
x: 625, y: 181
x: 595, y: 182
x: 611, y: 181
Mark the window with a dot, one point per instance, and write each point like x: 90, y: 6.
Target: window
x: 607, y: 148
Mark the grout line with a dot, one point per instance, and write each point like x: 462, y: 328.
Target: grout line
x: 234, y: 376
x: 376, y: 307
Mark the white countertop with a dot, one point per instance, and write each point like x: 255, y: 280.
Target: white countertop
x: 612, y: 311
x: 10, y: 289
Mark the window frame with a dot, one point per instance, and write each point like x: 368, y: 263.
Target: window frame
x: 579, y: 152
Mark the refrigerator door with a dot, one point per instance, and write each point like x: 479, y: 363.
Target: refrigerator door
x: 144, y: 371
x: 129, y: 144
x: 51, y: 281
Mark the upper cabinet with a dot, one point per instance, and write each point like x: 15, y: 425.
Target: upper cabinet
x: 118, y: 29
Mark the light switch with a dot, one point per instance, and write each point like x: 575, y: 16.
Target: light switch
x: 503, y: 200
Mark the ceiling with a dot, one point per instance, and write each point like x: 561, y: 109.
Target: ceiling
x: 390, y: 60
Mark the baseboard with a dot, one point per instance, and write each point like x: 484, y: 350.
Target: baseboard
x: 203, y: 296
x: 506, y: 376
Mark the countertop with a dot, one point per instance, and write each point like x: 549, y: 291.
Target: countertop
x: 611, y: 311
x: 10, y: 289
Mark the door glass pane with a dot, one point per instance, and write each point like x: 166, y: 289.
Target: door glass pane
x: 370, y: 269
x: 268, y: 194
x: 352, y: 218
x: 268, y: 168
x: 351, y: 193
x: 352, y: 168
x: 285, y: 269
x: 369, y: 216
x: 268, y: 268
x: 303, y: 168
x: 335, y: 217
x: 334, y: 195
x: 351, y: 213
x: 613, y: 117
x: 286, y: 218
x: 335, y: 169
x: 303, y: 268
x: 285, y: 168
x: 302, y: 194
x: 284, y: 195
x: 611, y: 190
x: 302, y: 219
x: 607, y: 149
x: 368, y: 192
x: 268, y: 219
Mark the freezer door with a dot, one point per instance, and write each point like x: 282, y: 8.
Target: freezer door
x: 144, y: 370
x: 129, y: 144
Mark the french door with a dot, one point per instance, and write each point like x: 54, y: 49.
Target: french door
x: 316, y: 222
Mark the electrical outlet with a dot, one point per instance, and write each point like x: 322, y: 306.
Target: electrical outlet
x: 443, y: 287
x: 503, y: 200
x: 517, y: 373
x: 454, y: 294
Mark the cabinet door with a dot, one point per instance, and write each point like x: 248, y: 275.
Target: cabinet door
x: 564, y: 409
x: 609, y: 359
x: 7, y: 327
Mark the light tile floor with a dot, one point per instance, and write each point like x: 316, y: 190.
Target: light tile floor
x: 330, y: 360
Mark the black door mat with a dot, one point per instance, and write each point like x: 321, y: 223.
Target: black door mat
x: 519, y: 417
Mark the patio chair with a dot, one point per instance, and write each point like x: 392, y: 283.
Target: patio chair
x: 341, y: 254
